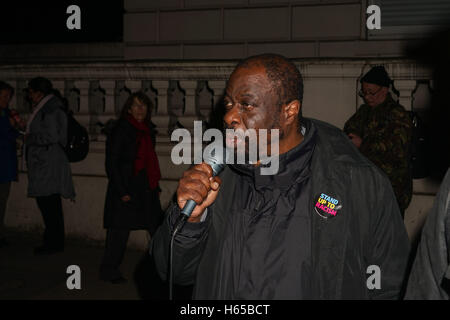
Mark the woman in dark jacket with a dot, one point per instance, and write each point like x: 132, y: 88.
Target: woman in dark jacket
x: 132, y: 199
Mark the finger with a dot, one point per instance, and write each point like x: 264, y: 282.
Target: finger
x: 199, y: 176
x: 195, y: 185
x: 192, y: 193
x: 212, y: 195
x: 215, y: 183
x: 205, y: 168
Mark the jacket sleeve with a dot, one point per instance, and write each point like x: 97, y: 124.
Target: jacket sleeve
x: 188, y: 246
x: 389, y: 244
x: 355, y: 123
x: 432, y: 265
x: 53, y: 130
x: 114, y: 161
x: 8, y: 134
x: 388, y: 146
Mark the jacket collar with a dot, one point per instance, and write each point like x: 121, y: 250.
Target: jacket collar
x: 293, y: 165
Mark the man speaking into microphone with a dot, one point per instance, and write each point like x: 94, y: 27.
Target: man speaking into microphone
x: 326, y: 225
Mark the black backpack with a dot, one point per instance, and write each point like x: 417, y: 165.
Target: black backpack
x: 77, y: 146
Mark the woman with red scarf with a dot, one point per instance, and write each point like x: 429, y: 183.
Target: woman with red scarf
x: 132, y: 199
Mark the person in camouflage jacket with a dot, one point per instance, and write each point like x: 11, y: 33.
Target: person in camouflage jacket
x: 381, y: 129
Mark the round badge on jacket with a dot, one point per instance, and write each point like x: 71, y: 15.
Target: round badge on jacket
x: 327, y: 206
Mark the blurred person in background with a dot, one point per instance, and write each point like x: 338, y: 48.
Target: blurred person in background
x: 49, y: 173
x: 381, y: 129
x: 8, y: 153
x: 132, y: 199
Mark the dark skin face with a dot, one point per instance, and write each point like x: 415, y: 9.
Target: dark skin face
x: 252, y: 103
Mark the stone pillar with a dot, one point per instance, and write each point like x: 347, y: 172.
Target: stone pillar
x: 82, y: 115
x: 190, y: 111
x: 59, y: 85
x: 109, y: 87
x: 405, y: 88
x: 161, y: 118
x: 108, y: 113
x: 133, y: 85
x: 218, y: 88
x: 22, y: 105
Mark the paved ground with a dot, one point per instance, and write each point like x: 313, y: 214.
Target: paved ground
x: 26, y: 276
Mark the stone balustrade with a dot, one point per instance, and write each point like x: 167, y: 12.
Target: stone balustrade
x: 182, y: 92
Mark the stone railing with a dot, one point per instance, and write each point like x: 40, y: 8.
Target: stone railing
x: 186, y: 91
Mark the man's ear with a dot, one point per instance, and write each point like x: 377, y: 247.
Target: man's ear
x: 292, y: 111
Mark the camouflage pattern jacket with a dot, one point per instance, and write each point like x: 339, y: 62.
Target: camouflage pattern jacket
x: 386, y: 131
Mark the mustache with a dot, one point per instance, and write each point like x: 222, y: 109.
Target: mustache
x: 225, y: 126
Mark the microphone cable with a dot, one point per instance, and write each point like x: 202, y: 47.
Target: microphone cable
x: 181, y: 220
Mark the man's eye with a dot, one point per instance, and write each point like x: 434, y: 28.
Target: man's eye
x: 247, y: 105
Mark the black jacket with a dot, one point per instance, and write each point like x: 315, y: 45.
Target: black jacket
x: 264, y: 237
x: 430, y: 274
x: 143, y: 211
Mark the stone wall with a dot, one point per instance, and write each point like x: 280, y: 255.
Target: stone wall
x: 184, y: 92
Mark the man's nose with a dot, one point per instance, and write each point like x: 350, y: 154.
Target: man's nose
x: 232, y: 117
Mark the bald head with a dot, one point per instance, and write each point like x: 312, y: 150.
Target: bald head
x: 285, y: 78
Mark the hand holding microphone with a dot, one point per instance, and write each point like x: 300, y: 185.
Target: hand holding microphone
x: 200, y: 185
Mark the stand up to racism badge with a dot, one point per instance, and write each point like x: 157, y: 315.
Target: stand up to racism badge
x: 327, y: 206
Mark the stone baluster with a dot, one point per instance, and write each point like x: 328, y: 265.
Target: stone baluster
x: 83, y: 115
x: 161, y: 87
x: 22, y: 105
x: 109, y: 87
x: 190, y: 111
x: 405, y: 88
x: 218, y: 88
x: 191, y: 114
x: 204, y: 100
x: 161, y: 118
x: 133, y: 85
x: 59, y: 85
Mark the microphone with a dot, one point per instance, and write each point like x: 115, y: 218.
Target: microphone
x: 217, y: 163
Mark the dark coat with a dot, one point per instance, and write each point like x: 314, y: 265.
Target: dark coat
x: 8, y: 153
x: 49, y: 169
x: 386, y: 132
x: 252, y: 245
x: 143, y: 211
x: 430, y: 274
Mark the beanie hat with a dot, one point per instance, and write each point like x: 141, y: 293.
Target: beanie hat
x: 377, y: 75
